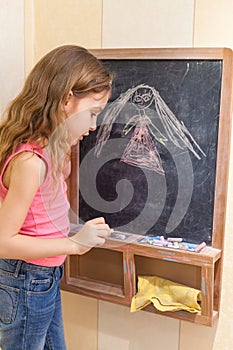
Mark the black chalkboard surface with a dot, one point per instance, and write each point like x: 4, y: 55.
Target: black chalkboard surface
x: 150, y: 167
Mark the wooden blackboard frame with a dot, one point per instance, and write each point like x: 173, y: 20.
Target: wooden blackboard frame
x: 210, y: 260
x: 223, y: 146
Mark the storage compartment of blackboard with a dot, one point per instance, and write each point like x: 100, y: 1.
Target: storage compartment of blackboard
x: 180, y: 273
x: 199, y: 271
x: 100, y: 273
x: 157, y: 165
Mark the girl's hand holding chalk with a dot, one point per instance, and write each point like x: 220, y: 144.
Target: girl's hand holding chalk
x: 92, y: 234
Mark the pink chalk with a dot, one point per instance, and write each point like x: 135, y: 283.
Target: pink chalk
x: 183, y: 247
x: 200, y: 247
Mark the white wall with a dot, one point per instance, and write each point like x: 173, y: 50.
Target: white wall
x: 11, y: 49
x: 147, y: 23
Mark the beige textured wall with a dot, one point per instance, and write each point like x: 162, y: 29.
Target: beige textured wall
x: 66, y: 22
x: 147, y: 23
x: 213, y: 23
x: 80, y: 321
x: 11, y: 49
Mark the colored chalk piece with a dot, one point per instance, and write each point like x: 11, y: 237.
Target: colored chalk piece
x: 154, y: 241
x: 191, y: 245
x: 117, y: 235
x: 183, y: 247
x: 176, y: 245
x: 174, y: 239
x: 200, y: 247
x: 170, y: 245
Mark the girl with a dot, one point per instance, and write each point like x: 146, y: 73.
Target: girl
x: 58, y: 106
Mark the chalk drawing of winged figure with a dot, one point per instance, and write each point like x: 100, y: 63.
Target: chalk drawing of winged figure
x: 141, y: 150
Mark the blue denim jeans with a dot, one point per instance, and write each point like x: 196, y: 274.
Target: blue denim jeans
x: 30, y: 307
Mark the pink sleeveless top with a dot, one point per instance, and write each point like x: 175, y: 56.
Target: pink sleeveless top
x: 48, y: 213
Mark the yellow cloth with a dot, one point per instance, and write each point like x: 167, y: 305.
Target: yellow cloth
x: 165, y: 295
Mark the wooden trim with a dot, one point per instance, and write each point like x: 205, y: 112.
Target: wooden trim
x: 223, y: 161
x: 163, y: 54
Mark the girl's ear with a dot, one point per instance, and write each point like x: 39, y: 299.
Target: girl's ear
x: 69, y: 97
x: 69, y: 104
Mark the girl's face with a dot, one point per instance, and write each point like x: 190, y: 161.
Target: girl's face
x: 82, y: 114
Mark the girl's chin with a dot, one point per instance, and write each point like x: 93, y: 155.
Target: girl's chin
x: 74, y: 142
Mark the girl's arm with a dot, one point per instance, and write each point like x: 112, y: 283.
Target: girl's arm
x: 26, y: 175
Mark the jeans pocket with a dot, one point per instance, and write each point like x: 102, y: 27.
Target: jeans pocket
x: 9, y: 298
x: 42, y: 293
x: 40, y: 286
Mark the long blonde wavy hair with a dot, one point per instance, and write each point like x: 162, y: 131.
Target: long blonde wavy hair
x: 36, y: 114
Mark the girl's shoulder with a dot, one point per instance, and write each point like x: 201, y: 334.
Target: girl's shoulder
x: 26, y: 161
x: 29, y: 147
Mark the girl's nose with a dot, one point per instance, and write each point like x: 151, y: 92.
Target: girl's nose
x: 93, y: 124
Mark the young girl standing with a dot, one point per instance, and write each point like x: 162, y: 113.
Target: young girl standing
x: 57, y: 106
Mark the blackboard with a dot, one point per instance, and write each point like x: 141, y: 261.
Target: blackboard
x: 180, y: 201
